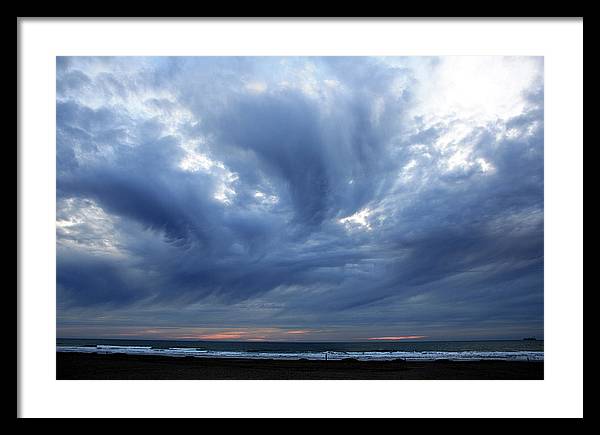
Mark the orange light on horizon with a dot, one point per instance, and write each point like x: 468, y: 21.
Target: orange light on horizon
x: 401, y: 337
x: 221, y: 336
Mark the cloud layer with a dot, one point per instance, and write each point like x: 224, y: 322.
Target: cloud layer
x: 312, y: 198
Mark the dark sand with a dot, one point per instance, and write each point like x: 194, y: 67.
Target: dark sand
x: 121, y: 366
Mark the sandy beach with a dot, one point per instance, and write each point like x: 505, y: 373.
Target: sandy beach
x: 121, y: 366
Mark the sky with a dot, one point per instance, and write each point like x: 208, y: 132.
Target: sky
x: 300, y: 198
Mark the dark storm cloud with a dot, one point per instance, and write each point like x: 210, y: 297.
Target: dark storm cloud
x: 292, y: 192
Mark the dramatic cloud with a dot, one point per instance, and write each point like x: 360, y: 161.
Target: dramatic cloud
x: 300, y: 198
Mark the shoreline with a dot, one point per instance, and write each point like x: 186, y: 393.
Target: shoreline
x: 74, y: 365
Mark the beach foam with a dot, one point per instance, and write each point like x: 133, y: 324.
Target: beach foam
x: 361, y: 356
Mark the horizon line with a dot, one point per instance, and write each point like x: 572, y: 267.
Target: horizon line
x: 361, y: 340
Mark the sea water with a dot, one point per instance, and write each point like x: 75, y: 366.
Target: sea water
x: 512, y: 350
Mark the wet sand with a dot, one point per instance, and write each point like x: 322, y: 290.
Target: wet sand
x: 121, y: 366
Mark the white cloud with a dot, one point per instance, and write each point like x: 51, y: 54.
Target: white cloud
x: 83, y: 224
x: 263, y: 198
x: 225, y: 191
x: 359, y: 219
x: 476, y: 88
x: 256, y: 87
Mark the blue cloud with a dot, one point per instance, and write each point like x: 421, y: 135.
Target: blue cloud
x: 298, y: 192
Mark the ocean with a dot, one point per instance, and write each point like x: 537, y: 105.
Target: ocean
x: 512, y: 350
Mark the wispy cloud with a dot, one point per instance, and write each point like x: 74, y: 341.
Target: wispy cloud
x: 359, y: 196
